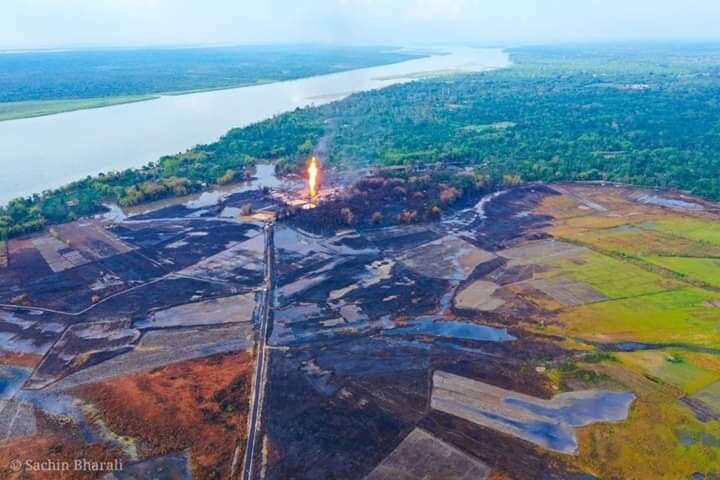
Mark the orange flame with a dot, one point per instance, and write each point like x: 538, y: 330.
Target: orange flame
x: 312, y: 177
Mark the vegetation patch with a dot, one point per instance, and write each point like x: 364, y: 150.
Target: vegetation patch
x: 710, y: 395
x: 611, y: 277
x: 673, y: 316
x: 89, y: 74
x: 672, y: 368
x: 200, y: 405
x: 706, y: 270
x: 693, y: 228
x: 646, y: 444
x: 642, y: 240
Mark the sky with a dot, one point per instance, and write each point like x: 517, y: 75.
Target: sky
x: 62, y: 23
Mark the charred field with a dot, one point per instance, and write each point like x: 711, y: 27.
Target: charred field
x: 535, y: 332
x: 131, y: 339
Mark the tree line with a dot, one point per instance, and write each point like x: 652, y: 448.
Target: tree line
x: 650, y: 118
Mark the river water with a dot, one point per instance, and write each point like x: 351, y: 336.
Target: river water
x: 47, y: 152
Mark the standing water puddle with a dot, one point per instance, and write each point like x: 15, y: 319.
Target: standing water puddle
x: 11, y: 378
x: 452, y: 329
x: 581, y: 408
x: 435, y: 326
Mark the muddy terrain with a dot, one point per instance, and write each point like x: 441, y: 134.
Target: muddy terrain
x: 133, y: 336
x: 494, y: 339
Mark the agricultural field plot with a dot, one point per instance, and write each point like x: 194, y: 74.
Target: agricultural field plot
x: 548, y: 423
x: 481, y: 296
x: 57, y: 254
x: 91, y: 238
x: 453, y: 258
x: 566, y: 291
x: 235, y: 309
x: 421, y: 456
x: 174, y: 466
x: 611, y: 277
x: 576, y: 275
x: 698, y: 229
x: 686, y: 315
x: 160, y: 348
x: 401, y: 237
x: 569, y: 206
x: 543, y: 252
x: 642, y: 239
x: 591, y: 209
x: 240, y: 263
x: 17, y: 418
x: 705, y: 270
x: 690, y: 373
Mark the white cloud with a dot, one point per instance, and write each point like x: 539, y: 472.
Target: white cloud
x: 71, y: 22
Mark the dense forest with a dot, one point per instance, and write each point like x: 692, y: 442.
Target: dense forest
x: 101, y: 73
x: 643, y: 115
x: 557, y: 115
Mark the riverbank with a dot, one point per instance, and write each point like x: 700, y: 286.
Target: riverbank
x: 44, y: 153
x: 19, y: 110
x: 37, y: 82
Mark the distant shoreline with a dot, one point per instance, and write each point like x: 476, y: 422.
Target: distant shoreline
x: 42, y: 108
x: 141, y: 132
x: 21, y: 109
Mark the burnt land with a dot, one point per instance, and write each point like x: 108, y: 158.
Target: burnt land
x: 137, y: 337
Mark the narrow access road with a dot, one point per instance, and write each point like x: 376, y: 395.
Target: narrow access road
x: 261, y: 360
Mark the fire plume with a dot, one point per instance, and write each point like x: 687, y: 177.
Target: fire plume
x: 312, y: 177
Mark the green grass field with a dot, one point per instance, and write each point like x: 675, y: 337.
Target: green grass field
x: 613, y: 278
x: 706, y: 270
x: 672, y: 367
x: 644, y: 240
x: 694, y: 229
x: 685, y: 316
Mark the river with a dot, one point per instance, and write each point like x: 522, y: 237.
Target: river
x: 47, y: 152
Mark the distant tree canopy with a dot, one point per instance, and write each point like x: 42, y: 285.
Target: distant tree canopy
x: 76, y: 74
x: 549, y: 118
x: 648, y: 116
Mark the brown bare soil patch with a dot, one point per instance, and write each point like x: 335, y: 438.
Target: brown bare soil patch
x: 499, y: 476
x: 20, y: 359
x: 200, y: 405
